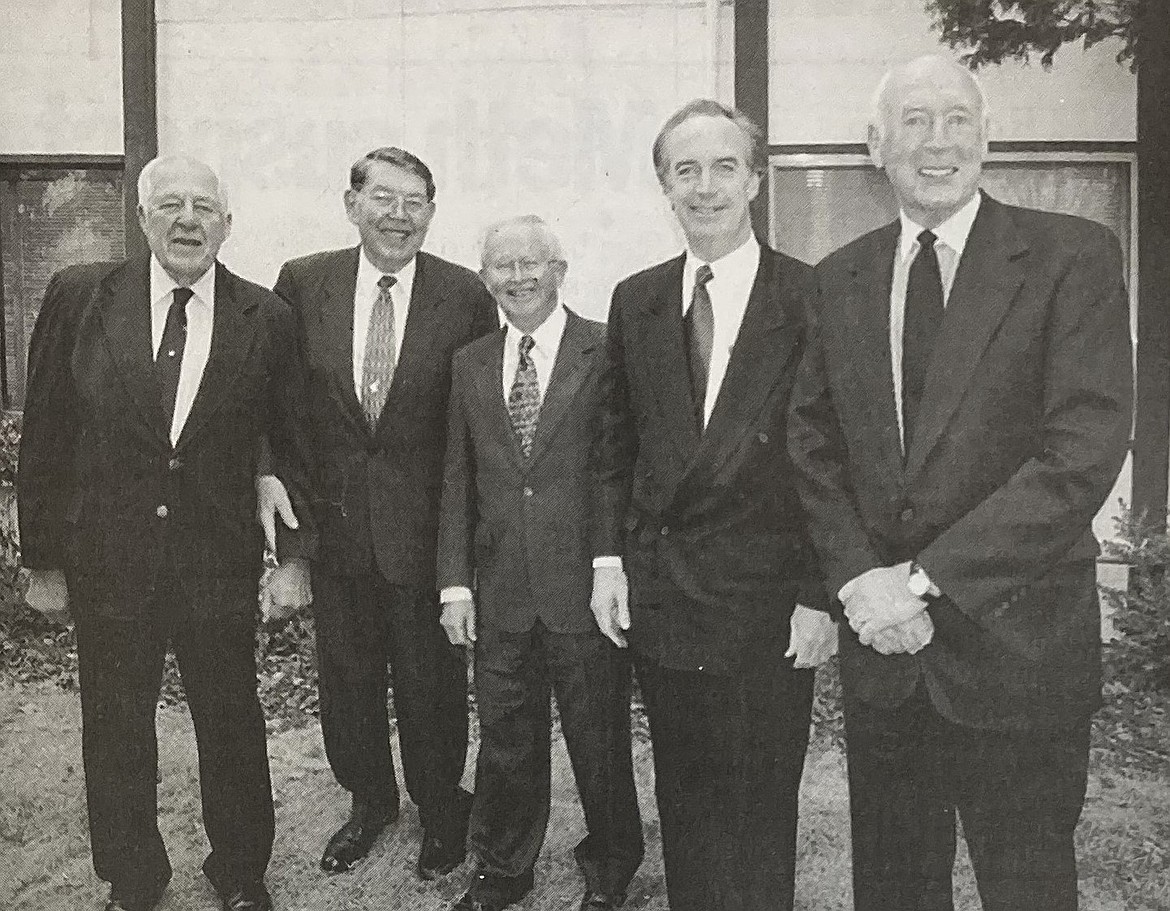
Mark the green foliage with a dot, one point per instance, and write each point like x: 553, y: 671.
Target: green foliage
x: 1140, y: 660
x: 998, y: 30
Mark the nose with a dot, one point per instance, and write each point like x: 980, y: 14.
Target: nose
x: 705, y: 180
x: 938, y: 137
x: 187, y: 213
x: 396, y: 206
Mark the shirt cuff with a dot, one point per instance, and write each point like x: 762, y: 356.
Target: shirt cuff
x: 453, y: 593
x: 847, y: 589
x: 607, y: 562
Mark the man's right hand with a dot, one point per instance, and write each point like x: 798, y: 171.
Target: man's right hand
x: 48, y: 594
x: 909, y: 637
x: 610, y: 603
x: 458, y: 619
x: 271, y: 499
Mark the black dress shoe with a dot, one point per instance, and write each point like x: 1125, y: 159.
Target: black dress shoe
x: 141, y: 900
x: 248, y: 897
x: 494, y: 893
x: 602, y: 901
x: 443, y: 851
x: 353, y: 840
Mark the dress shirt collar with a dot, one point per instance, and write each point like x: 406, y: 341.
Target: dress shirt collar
x: 953, y: 232
x: 546, y: 337
x: 740, y: 265
x: 369, y: 274
x: 162, y: 285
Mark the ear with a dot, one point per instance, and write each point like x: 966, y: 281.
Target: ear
x: 142, y: 218
x: 350, y: 198
x: 753, y: 186
x: 873, y: 138
x: 227, y: 225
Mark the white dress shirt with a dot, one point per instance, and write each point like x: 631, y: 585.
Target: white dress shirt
x: 952, y: 237
x: 547, y: 342
x: 730, y: 286
x: 200, y: 316
x: 366, y: 293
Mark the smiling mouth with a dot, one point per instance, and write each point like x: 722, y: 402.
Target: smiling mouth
x: 938, y: 173
x: 191, y: 242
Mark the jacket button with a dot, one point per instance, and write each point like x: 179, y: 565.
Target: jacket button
x: 664, y: 531
x: 162, y: 512
x: 762, y: 437
x: 527, y: 491
x: 907, y: 514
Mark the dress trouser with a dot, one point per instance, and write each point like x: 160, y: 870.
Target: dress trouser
x: 728, y: 756
x: 120, y: 665
x: 1019, y: 796
x: 515, y: 675
x: 363, y: 622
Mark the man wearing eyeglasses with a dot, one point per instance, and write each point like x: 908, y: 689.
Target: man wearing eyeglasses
x: 378, y: 324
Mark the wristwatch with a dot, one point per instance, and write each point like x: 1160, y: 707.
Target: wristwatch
x: 919, y: 582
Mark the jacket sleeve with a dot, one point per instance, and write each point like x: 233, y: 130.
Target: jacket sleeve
x: 457, y: 511
x: 45, y: 473
x: 1025, y: 527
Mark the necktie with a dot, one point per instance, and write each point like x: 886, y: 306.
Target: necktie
x: 699, y: 329
x: 169, y: 361
x: 378, y: 367
x: 524, y: 398
x: 924, y: 314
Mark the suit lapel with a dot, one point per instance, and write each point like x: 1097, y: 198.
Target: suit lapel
x: 662, y: 349
x: 489, y: 386
x: 760, y: 354
x: 569, y: 371
x: 231, y: 343
x: 123, y: 302
x: 867, y: 312
x: 989, y: 276
x: 335, y: 315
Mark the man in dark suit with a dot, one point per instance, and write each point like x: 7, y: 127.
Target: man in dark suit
x: 695, y: 495
x: 963, y: 412
x: 514, y: 525
x: 378, y: 324
x: 150, y: 382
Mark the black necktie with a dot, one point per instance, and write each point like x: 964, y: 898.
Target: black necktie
x: 924, y: 314
x: 699, y: 329
x: 169, y: 362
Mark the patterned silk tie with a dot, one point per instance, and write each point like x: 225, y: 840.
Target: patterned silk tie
x: 924, y: 315
x: 524, y: 398
x: 378, y: 368
x: 699, y: 328
x: 169, y: 362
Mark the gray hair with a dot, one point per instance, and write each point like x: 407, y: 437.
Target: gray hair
x: 877, y: 104
x: 146, y: 179
x: 551, y: 241
x: 707, y: 107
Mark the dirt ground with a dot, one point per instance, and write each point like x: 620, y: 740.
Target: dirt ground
x: 44, y: 851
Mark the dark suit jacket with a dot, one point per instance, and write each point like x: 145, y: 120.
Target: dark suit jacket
x: 377, y: 493
x: 103, y: 494
x: 710, y: 526
x: 517, y: 529
x: 1023, y: 427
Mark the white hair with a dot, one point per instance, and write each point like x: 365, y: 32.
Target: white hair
x: 146, y: 178
x: 877, y: 104
x: 551, y: 241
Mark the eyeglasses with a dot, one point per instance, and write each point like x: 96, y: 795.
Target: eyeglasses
x: 523, y: 266
x: 383, y: 199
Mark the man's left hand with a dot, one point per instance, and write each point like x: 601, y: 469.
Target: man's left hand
x: 812, y: 637
x: 272, y: 501
x: 880, y: 599
x: 287, y: 591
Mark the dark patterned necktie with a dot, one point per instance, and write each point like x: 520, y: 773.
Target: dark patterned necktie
x: 924, y: 315
x: 378, y: 367
x: 699, y: 329
x: 524, y: 398
x: 169, y: 362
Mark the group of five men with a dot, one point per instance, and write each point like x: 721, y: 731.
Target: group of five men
x: 910, y: 439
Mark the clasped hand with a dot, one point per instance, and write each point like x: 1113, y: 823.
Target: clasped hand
x: 884, y: 614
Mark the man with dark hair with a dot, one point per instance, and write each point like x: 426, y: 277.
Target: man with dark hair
x: 150, y: 382
x: 378, y: 324
x: 963, y: 411
x: 695, y: 501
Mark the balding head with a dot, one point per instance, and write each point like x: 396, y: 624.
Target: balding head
x: 183, y: 212
x: 523, y: 266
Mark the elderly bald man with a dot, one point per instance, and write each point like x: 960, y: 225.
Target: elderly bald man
x: 514, y: 525
x: 963, y: 413
x: 150, y: 382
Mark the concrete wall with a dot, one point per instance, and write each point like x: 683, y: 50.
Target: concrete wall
x: 826, y: 59
x: 517, y: 107
x: 62, y: 82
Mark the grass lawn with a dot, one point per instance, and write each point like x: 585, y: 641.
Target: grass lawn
x: 44, y: 855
